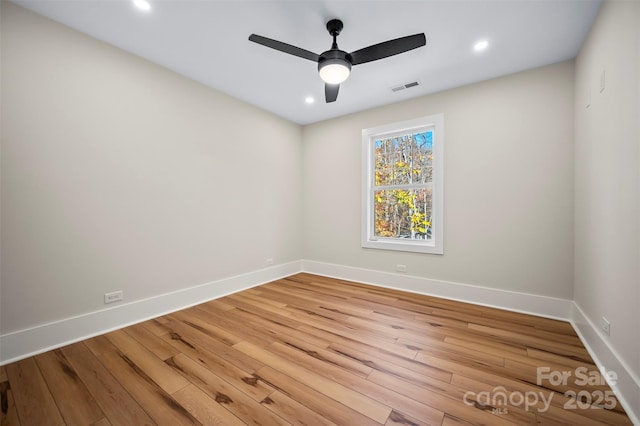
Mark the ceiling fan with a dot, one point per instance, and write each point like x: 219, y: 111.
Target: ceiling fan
x: 334, y: 65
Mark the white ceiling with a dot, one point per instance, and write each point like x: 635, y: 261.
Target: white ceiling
x: 206, y: 40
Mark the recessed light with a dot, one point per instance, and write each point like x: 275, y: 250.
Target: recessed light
x: 142, y: 4
x: 309, y: 100
x: 481, y: 45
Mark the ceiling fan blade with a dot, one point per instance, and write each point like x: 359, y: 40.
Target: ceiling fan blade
x: 331, y: 92
x: 387, y: 48
x: 284, y: 47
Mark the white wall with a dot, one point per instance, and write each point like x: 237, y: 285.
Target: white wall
x: 508, y: 185
x: 607, y: 183
x: 118, y: 174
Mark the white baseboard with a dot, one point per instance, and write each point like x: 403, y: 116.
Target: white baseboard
x: 549, y: 307
x: 627, y: 385
x: 23, y: 343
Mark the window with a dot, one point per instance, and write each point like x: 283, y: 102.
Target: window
x: 402, y: 186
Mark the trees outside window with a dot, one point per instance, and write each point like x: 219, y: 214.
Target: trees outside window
x: 402, y: 190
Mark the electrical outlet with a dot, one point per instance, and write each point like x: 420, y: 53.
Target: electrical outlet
x: 113, y: 297
x: 606, y: 326
x: 269, y: 261
x: 401, y: 268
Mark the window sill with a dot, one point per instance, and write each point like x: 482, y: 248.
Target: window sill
x: 410, y: 246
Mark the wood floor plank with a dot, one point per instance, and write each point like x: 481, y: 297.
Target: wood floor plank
x: 352, y: 338
x: 74, y: 401
x: 274, y: 326
x: 8, y: 411
x: 252, y: 303
x: 570, y: 362
x: 73, y: 348
x: 566, y: 339
x: 157, y: 326
x: 344, y: 330
x: 192, y: 337
x: 214, y: 327
x: 312, y: 350
x: 331, y: 409
x: 395, y: 331
x: 359, y: 402
x: 525, y: 319
x: 146, y: 338
x: 387, y: 309
x: 483, y: 345
x: 119, y: 407
x: 408, y: 369
x: 450, y: 420
x: 415, y: 320
x: 34, y: 402
x: 330, y: 357
x: 146, y: 361
x: 333, y: 298
x: 210, y: 324
x: 319, y: 352
x: 219, y: 304
x: 204, y: 408
x: 160, y: 406
x: 551, y: 330
x: 223, y: 393
x: 259, y: 299
x: 102, y: 422
x: 480, y: 319
x: 442, y: 348
x: 315, y: 311
x: 293, y: 411
x: 533, y: 342
x: 399, y: 419
x: 364, y: 386
x: 299, y: 341
x: 241, y: 379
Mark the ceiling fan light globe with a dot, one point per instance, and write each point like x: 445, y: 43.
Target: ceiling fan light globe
x: 142, y: 5
x: 334, y: 72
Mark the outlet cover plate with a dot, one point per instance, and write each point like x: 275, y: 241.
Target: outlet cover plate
x: 115, y: 296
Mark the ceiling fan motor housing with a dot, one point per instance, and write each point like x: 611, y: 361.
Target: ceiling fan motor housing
x: 334, y: 66
x: 334, y: 56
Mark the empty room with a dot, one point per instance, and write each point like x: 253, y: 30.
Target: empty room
x: 348, y: 213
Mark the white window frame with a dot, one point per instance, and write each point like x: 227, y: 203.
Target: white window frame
x: 433, y: 123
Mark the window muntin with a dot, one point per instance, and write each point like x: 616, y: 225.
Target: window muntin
x: 402, y: 199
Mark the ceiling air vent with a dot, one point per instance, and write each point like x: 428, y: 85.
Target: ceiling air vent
x: 405, y: 86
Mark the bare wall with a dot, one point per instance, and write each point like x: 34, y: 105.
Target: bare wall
x: 118, y: 174
x: 508, y: 185
x: 607, y: 180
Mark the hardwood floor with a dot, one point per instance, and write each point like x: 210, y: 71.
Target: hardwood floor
x: 309, y: 350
